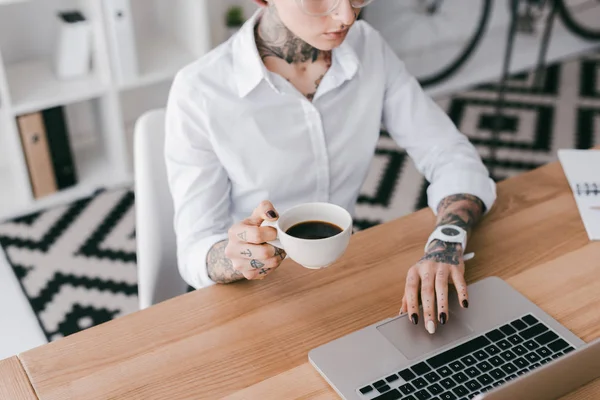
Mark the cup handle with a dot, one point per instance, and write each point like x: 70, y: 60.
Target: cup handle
x: 276, y: 242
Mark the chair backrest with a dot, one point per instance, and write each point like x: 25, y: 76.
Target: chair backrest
x: 158, y: 275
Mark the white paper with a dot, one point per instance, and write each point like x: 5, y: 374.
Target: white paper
x: 582, y: 167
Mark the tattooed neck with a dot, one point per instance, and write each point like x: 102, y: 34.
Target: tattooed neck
x: 274, y: 39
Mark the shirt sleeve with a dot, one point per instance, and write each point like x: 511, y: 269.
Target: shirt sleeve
x: 199, y: 184
x: 440, y: 152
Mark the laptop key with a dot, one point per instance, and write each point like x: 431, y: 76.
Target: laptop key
x: 383, y: 389
x: 515, y: 339
x: 473, y: 385
x: 366, y: 389
x: 421, y: 368
x: 533, y: 357
x: 485, y: 389
x: 519, y: 350
x: 485, y: 379
x: 508, y: 330
x: 460, y: 391
x: 556, y: 355
x: 423, y: 395
x: 496, y: 384
x: 546, y: 338
x: 444, y: 372
x: 533, y: 331
x: 448, y: 396
x: 496, y: 361
x: 558, y: 345
x: 419, y: 383
x: 535, y: 366
x: 432, y: 377
x: 495, y: 335
x: 460, y: 377
x: 379, y: 383
x: 492, y: 350
x: 468, y: 360
x: 521, y: 362
x: 497, y: 373
x: 508, y: 355
x: 509, y: 368
x: 484, y: 366
x: 531, y: 345
x: 504, y: 344
x: 411, y: 397
x: 407, y: 375
x: 568, y: 349
x: 447, y: 383
x: 458, y: 351
x: 392, y: 378
x: 457, y: 366
x: 435, y: 389
x: 529, y: 320
x: 391, y: 395
x: 472, y: 372
x: 519, y: 325
x: 511, y: 377
x: 407, y: 388
x: 481, y: 355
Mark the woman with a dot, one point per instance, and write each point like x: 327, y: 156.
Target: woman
x: 289, y: 111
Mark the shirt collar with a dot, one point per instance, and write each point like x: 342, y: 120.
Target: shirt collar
x: 249, y: 69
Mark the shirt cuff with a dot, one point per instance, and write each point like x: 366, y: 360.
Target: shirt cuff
x: 194, y: 270
x: 478, y: 185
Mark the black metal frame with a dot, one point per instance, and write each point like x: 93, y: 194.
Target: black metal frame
x: 539, y: 71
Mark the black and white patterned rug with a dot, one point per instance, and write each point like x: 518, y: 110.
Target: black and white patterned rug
x: 77, y: 263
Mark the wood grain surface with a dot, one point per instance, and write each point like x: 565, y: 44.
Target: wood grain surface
x: 14, y: 382
x: 250, y: 340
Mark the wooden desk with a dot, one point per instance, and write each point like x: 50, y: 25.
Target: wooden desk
x: 14, y: 382
x: 250, y: 340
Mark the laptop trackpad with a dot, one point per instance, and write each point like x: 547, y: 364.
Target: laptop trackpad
x: 414, y: 341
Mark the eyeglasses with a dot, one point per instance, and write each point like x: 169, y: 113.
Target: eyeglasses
x: 320, y: 8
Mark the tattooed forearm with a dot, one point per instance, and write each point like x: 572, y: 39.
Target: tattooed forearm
x: 463, y: 210
x: 219, y: 267
x: 442, y: 252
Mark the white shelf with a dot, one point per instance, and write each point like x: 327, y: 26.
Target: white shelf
x: 33, y: 86
x: 160, y: 57
x: 93, y: 172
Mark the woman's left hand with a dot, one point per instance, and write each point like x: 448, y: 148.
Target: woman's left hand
x: 442, y: 263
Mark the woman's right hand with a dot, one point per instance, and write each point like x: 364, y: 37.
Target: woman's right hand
x: 247, y: 250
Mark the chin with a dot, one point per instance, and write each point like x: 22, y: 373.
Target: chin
x: 328, y: 44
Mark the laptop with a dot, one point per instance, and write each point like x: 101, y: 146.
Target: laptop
x: 499, y: 338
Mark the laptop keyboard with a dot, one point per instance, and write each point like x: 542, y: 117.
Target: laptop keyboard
x: 474, y: 367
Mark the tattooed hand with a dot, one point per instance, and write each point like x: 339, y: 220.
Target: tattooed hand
x: 442, y: 264
x: 246, y: 255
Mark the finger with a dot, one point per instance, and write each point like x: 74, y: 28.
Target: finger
x: 259, y: 251
x: 264, y: 211
x: 441, y: 292
x: 411, y: 291
x: 404, y: 306
x: 253, y: 269
x: 428, y: 298
x: 252, y: 234
x: 458, y: 278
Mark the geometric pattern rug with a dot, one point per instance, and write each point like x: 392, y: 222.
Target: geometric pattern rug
x: 77, y: 263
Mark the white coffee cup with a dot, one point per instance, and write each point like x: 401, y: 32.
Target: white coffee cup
x: 313, y: 253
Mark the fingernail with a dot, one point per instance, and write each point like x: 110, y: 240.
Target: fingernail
x: 443, y: 318
x: 465, y: 303
x: 414, y: 318
x: 430, y: 327
x: 271, y: 214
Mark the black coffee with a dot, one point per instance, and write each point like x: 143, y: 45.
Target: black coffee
x: 314, y: 230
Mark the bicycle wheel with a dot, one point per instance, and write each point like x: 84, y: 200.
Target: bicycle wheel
x: 582, y: 17
x: 433, y: 38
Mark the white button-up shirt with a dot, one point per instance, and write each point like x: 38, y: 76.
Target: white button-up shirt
x: 237, y: 134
